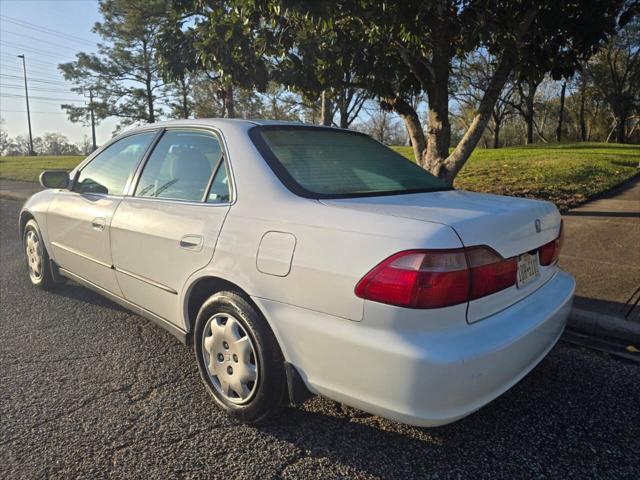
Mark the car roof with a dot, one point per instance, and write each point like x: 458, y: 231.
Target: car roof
x: 223, y: 121
x: 235, y: 123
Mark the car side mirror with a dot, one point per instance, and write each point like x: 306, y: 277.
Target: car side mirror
x: 54, y: 179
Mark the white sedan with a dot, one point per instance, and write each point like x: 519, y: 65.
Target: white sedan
x: 297, y: 259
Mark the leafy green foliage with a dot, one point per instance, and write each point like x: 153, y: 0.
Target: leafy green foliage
x: 124, y: 76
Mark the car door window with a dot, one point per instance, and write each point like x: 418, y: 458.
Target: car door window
x: 220, y: 192
x: 180, y: 166
x: 108, y: 172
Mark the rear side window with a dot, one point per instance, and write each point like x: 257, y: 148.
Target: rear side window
x: 180, y: 166
x: 220, y: 192
x: 109, y: 171
x: 328, y: 163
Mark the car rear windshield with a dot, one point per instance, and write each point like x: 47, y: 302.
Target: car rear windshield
x: 317, y: 162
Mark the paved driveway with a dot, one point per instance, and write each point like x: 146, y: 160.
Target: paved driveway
x: 89, y: 390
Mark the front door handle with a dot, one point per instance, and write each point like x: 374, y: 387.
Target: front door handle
x: 192, y: 242
x: 98, y: 223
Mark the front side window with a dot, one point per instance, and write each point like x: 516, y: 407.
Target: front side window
x: 328, y: 163
x: 108, y: 172
x: 180, y: 166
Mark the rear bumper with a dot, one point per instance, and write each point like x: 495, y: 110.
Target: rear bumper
x: 422, y: 378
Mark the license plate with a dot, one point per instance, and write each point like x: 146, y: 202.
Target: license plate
x: 527, y: 269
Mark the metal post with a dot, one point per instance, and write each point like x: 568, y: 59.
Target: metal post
x: 26, y: 94
x: 93, y: 122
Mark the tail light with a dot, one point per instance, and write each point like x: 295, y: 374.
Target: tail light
x: 490, y: 272
x: 549, y: 252
x: 437, y: 278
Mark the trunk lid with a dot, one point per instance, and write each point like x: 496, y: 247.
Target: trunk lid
x: 506, y: 224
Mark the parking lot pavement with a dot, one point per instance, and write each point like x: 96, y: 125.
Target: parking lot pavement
x: 89, y: 390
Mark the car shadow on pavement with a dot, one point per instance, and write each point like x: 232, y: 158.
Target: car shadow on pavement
x: 544, y: 424
x: 74, y: 291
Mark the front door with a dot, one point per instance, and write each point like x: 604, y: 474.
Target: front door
x: 168, y: 229
x: 78, y: 222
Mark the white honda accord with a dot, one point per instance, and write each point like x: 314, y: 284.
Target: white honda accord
x: 297, y: 259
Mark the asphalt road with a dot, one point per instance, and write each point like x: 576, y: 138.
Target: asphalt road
x: 88, y: 390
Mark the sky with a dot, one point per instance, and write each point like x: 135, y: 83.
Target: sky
x: 47, y: 32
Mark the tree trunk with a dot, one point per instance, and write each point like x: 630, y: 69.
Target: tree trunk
x: 150, y: 107
x: 325, y: 109
x: 496, y: 133
x: 621, y: 122
x: 438, y: 126
x: 583, y: 94
x: 462, y: 152
x: 530, y: 112
x: 148, y: 81
x: 185, y: 98
x: 561, y: 114
x: 343, y: 108
x: 412, y: 123
x: 229, y: 104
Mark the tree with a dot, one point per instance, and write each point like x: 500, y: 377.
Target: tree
x: 471, y: 78
x: 5, y: 141
x: 416, y: 42
x: 382, y: 126
x: 215, y: 39
x: 561, y: 112
x: 85, y: 146
x: 56, y: 144
x: 615, y: 72
x: 322, y: 63
x: 124, y: 74
x: 524, y: 104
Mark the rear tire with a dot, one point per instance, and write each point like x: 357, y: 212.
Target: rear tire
x: 38, y: 263
x: 239, y: 359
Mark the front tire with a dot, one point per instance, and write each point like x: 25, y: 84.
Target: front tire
x: 239, y: 359
x: 38, y: 262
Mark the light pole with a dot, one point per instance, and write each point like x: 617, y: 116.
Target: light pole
x: 26, y: 94
x: 93, y: 121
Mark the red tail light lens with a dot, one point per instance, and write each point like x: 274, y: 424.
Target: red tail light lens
x: 490, y: 272
x: 437, y: 278
x: 549, y: 252
x: 418, y: 279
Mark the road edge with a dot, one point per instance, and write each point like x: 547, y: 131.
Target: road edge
x: 603, y: 325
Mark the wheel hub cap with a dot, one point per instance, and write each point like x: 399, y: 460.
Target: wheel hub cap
x: 230, y: 358
x: 34, y: 255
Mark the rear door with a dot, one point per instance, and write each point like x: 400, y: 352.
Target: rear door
x: 168, y: 228
x: 79, y: 220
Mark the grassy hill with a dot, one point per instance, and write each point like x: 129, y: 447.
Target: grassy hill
x: 566, y: 174
x: 28, y: 169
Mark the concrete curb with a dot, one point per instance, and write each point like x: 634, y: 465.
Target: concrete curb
x: 604, y: 325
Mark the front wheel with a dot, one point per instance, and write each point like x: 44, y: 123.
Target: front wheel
x: 37, y: 258
x: 239, y: 359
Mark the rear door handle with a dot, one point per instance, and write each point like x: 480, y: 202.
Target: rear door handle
x: 98, y: 223
x: 192, y: 242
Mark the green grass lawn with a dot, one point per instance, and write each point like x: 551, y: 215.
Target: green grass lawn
x: 28, y: 168
x: 566, y: 174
